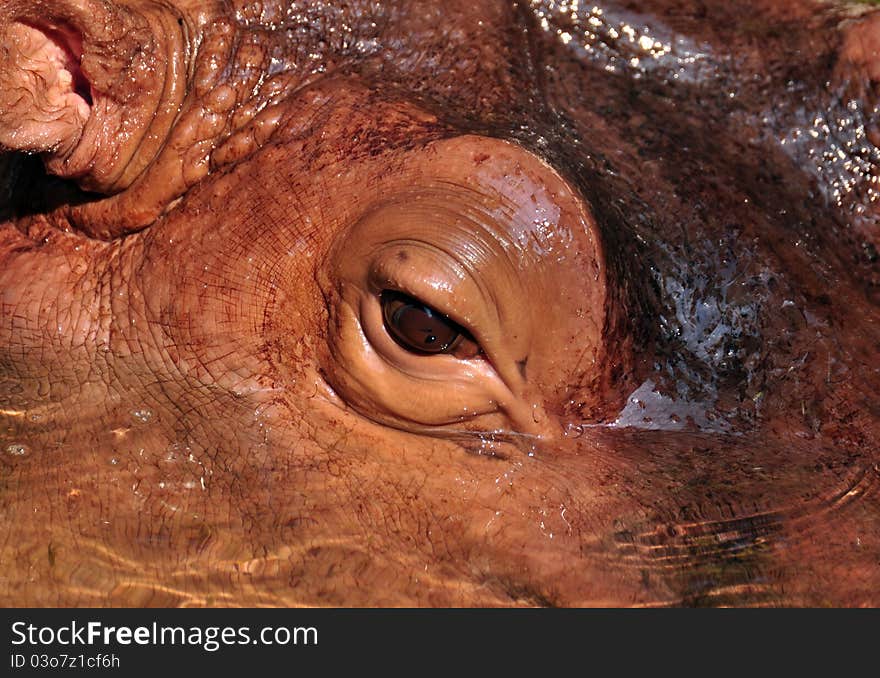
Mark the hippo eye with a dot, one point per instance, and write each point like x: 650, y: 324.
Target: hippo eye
x: 421, y: 329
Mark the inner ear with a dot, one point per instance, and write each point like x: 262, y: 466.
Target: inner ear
x: 64, y: 46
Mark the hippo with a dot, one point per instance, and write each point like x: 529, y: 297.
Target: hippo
x: 459, y: 304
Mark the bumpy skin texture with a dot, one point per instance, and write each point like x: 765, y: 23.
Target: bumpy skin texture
x: 658, y: 221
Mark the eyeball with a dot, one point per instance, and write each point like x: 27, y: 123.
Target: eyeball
x: 422, y: 330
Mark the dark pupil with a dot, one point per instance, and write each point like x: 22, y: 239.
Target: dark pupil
x: 415, y: 326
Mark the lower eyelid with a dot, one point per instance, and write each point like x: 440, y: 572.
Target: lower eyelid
x: 467, y: 349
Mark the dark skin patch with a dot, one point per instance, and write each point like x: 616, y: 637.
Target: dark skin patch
x: 521, y: 364
x: 402, y: 256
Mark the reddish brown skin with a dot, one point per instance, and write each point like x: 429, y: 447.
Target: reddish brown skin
x: 667, y: 223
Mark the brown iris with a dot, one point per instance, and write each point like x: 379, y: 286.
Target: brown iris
x: 419, y: 328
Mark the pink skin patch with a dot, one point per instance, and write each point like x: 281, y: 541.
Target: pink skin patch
x: 66, y: 47
x: 45, y: 99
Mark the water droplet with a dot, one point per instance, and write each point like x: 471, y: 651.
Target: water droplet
x: 17, y: 449
x: 142, y: 415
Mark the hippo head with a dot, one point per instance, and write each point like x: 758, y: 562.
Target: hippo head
x: 438, y: 304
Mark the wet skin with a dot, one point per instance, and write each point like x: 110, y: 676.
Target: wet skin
x: 469, y: 304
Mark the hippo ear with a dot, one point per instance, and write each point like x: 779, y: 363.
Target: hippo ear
x: 46, y: 99
x: 86, y: 84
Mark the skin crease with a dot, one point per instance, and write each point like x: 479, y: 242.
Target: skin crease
x: 659, y: 224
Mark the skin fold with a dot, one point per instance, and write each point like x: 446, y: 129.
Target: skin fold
x: 652, y: 227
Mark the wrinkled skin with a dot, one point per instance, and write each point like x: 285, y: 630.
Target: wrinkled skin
x: 658, y: 221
